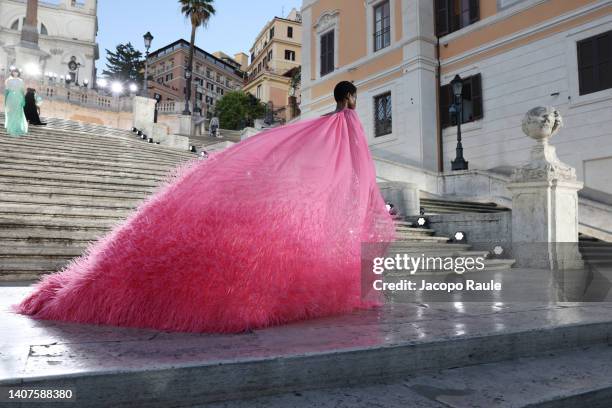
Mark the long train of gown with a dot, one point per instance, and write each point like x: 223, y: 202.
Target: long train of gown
x: 266, y: 232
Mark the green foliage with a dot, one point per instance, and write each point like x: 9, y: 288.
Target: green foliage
x: 126, y: 63
x: 238, y: 109
x: 198, y: 11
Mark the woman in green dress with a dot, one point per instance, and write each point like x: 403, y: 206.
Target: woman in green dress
x: 14, y: 100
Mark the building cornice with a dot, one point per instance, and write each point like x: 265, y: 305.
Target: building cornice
x: 56, y: 7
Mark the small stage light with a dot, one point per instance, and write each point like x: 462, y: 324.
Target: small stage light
x: 460, y: 237
x: 422, y: 222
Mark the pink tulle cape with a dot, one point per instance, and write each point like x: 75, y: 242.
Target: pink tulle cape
x: 266, y: 232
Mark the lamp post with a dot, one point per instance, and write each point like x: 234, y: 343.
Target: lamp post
x: 148, y: 38
x: 457, y: 108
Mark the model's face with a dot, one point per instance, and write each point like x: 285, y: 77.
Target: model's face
x: 352, y: 101
x: 14, y: 74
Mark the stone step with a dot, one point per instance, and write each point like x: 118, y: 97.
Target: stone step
x: 32, y: 183
x: 579, y: 377
x: 17, y: 220
x: 429, y: 246
x: 85, y: 179
x: 18, y: 265
x: 69, y: 191
x: 71, y: 201
x: 41, y: 251
x: 400, y: 342
x: 120, y: 156
x: 77, y: 136
x: 434, y: 206
x: 67, y: 171
x: 421, y: 238
x: 64, y: 241
x: 46, y: 160
x: 92, y: 141
x: 6, y: 209
x: 35, y: 233
x: 91, y: 151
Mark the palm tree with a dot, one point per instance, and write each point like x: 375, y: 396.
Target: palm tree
x: 199, y: 12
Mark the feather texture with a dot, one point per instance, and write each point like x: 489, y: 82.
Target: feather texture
x: 266, y: 232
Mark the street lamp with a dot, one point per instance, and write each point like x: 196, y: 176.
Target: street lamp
x: 148, y: 38
x: 457, y: 109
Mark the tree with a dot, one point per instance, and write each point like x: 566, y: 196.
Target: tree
x: 199, y: 12
x: 237, y: 109
x: 125, y: 64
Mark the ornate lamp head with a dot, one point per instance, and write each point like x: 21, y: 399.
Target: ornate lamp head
x: 542, y: 122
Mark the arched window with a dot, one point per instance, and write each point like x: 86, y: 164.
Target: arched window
x: 43, y: 29
x: 15, y: 25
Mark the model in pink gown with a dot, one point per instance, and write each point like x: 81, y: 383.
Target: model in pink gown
x: 266, y: 232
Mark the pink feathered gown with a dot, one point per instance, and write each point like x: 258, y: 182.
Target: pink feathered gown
x: 266, y: 232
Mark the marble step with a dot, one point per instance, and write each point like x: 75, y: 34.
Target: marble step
x: 136, y: 368
x: 62, y: 191
x: 36, y: 233
x: 19, y: 183
x: 119, y: 156
x: 7, y: 209
x: 41, y: 251
x: 90, y: 204
x: 70, y: 200
x: 422, y: 238
x: 578, y: 377
x: 85, y: 179
x: 56, y: 222
x: 93, y: 151
x: 93, y: 141
x: 68, y: 171
x: 58, y: 161
x: 128, y: 139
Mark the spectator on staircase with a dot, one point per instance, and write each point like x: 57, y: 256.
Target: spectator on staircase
x: 214, y: 126
x: 14, y: 101
x: 32, y: 108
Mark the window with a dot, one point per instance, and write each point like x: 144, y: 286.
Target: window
x: 595, y: 63
x: 327, y: 52
x: 169, y: 77
x: 15, y: 25
x: 270, y: 55
x: 382, y: 115
x: 258, y: 92
x: 290, y: 32
x: 471, y: 105
x: 453, y: 15
x: 382, y: 26
x: 272, y: 32
x: 290, y: 55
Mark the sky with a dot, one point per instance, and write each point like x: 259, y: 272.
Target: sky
x: 232, y: 29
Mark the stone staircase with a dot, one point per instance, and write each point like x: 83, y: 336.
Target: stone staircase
x: 66, y: 184
x: 203, y: 141
x: 415, y: 241
x: 430, y: 206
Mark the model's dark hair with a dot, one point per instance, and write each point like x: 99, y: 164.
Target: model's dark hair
x: 343, y: 89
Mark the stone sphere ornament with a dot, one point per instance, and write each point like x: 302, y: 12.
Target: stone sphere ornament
x: 542, y: 122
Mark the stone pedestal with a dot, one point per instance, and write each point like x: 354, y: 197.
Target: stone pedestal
x: 185, y: 125
x: 404, y: 196
x: 545, y: 201
x: 144, y: 114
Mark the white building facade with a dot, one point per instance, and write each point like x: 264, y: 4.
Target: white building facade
x: 67, y: 32
x: 514, y: 54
